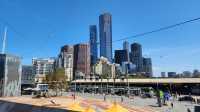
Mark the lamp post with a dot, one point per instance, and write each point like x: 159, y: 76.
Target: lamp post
x: 127, y: 81
x: 107, y: 84
x: 101, y: 85
x: 75, y: 88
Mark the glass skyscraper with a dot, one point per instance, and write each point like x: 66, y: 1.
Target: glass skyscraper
x: 126, y: 47
x: 93, y: 44
x: 121, y: 56
x: 105, y: 31
x: 136, y: 56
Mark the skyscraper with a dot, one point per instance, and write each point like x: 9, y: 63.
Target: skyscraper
x: 126, y: 47
x: 105, y: 32
x: 81, y: 60
x: 147, y: 67
x: 93, y: 44
x: 121, y: 56
x: 66, y: 60
x: 136, y: 56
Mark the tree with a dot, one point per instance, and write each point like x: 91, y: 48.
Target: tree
x: 57, y: 80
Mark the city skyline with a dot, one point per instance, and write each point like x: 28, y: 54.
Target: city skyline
x: 172, y: 54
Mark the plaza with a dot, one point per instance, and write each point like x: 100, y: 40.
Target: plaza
x: 95, y: 101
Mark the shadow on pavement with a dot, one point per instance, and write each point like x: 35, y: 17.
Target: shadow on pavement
x: 153, y: 105
x: 6, y: 106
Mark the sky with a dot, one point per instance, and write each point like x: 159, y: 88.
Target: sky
x: 38, y: 28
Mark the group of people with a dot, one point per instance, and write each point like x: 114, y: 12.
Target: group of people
x: 163, y: 97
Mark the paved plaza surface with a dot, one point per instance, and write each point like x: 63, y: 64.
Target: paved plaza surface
x: 96, y: 101
x: 147, y: 104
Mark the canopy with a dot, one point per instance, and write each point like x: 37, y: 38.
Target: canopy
x: 116, y: 108
x: 75, y: 107
x: 89, y: 109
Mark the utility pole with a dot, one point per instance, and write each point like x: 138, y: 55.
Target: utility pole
x: 4, y: 41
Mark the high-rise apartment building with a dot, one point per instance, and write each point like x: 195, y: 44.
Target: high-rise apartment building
x: 105, y: 35
x: 81, y: 60
x: 42, y: 67
x: 65, y: 60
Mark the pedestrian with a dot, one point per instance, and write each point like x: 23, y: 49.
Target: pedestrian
x: 122, y: 99
x: 104, y: 98
x: 188, y: 110
x: 159, y: 99
x: 176, y: 95
x: 172, y: 105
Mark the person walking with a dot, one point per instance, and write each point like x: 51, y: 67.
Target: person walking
x: 188, y: 110
x: 104, y: 98
x: 158, y: 98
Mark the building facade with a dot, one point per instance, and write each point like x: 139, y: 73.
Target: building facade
x: 65, y: 60
x: 121, y: 56
x: 147, y: 67
x: 172, y: 74
x: 93, y: 44
x: 128, y: 68
x: 126, y: 47
x: 105, y: 35
x: 81, y: 60
x: 136, y: 56
x: 163, y: 74
x: 42, y: 67
x: 28, y: 77
x: 10, y: 75
x: 104, y: 68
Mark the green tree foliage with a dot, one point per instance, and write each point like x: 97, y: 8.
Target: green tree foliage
x: 57, y: 80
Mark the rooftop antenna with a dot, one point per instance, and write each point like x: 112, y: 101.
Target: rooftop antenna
x: 4, y: 40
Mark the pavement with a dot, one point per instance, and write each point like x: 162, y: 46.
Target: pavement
x: 96, y: 101
x: 146, y: 104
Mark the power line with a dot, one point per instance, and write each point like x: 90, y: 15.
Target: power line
x: 158, y: 30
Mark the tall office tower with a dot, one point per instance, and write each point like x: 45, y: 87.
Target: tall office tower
x: 81, y: 60
x: 136, y: 56
x: 105, y: 31
x: 42, y: 67
x: 121, y: 56
x: 66, y: 60
x: 147, y: 67
x: 93, y: 44
x: 10, y: 75
x: 126, y: 47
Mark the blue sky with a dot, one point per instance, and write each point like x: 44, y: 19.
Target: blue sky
x: 40, y: 27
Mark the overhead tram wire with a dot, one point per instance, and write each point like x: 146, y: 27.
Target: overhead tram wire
x: 126, y: 38
x: 157, y: 30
